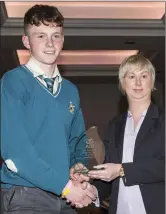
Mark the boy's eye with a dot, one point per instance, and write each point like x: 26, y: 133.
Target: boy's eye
x: 58, y: 36
x: 40, y: 36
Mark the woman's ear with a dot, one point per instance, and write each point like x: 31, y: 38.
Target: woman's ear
x: 25, y: 41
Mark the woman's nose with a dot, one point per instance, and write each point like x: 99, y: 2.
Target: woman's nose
x: 138, y: 81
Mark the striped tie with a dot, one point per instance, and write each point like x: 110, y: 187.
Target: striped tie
x: 49, y: 82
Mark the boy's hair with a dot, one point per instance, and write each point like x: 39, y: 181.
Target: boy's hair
x: 42, y: 14
x: 135, y: 63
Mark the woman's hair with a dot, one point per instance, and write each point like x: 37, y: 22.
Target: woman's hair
x: 135, y: 63
x: 42, y: 14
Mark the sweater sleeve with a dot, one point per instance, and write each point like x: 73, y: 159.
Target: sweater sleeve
x: 16, y: 145
x: 103, y: 187
x: 77, y: 141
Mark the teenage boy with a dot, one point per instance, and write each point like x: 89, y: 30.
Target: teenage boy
x: 41, y: 120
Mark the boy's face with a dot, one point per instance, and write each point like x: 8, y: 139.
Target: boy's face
x: 44, y: 42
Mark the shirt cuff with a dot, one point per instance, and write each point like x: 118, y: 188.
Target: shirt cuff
x: 97, y: 201
x: 10, y: 165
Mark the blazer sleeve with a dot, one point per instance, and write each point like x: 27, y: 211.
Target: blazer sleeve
x: 148, y: 170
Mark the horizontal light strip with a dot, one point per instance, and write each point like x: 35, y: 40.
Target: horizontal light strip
x: 101, y: 10
x: 112, y: 57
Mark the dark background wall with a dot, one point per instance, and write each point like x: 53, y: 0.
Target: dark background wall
x: 101, y: 102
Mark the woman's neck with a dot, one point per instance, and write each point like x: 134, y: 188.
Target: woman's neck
x: 137, y: 108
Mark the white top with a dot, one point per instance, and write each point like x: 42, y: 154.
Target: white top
x: 129, y: 198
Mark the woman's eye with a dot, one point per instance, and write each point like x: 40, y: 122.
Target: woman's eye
x: 144, y: 76
x: 131, y: 77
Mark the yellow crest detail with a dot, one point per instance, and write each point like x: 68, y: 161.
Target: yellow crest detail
x: 71, y: 107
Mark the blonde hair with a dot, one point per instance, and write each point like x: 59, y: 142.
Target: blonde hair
x: 135, y: 63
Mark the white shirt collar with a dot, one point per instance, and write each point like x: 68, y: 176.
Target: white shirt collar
x: 130, y: 114
x: 34, y: 66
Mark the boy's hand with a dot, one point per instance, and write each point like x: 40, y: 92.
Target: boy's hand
x: 78, y: 176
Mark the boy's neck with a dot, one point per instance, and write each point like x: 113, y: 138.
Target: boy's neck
x: 47, y: 69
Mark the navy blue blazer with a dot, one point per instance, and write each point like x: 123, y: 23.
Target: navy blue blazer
x: 148, y: 167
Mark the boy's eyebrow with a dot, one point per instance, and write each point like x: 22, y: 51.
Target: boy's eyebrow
x: 34, y: 33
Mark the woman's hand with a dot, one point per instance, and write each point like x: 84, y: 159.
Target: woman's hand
x: 109, y: 173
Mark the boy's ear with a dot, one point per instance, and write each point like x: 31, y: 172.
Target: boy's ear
x: 25, y: 41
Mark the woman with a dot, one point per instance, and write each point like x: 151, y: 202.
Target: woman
x: 134, y: 143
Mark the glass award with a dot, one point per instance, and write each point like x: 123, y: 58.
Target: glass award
x: 94, y: 152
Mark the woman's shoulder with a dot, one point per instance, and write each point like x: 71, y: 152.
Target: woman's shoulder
x: 158, y: 111
x: 118, y: 118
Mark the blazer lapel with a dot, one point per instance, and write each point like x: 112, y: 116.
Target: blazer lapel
x: 119, y: 135
x: 147, y: 125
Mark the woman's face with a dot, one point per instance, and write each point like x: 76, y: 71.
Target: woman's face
x: 137, y: 85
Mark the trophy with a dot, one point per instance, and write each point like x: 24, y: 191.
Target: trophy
x: 94, y: 152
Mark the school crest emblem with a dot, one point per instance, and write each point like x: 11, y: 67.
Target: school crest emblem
x: 71, y: 107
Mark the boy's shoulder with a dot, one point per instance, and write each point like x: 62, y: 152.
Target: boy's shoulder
x: 70, y: 85
x: 15, y: 78
x: 13, y: 74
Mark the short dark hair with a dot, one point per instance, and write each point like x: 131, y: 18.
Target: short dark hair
x: 41, y: 14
